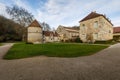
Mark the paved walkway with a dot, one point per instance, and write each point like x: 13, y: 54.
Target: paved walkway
x: 4, y: 49
x: 104, y: 65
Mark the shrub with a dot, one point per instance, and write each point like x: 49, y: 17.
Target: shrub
x: 116, y: 38
x: 104, y: 42
x: 78, y: 40
x: 29, y: 43
x: 75, y: 40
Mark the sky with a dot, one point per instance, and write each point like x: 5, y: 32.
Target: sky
x: 65, y: 12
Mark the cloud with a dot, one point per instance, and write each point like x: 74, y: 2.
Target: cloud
x: 22, y: 3
x: 3, y: 10
x: 56, y: 12
x: 19, y: 3
x: 66, y: 12
x: 116, y: 21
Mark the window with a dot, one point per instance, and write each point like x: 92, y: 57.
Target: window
x: 109, y: 31
x: 83, y: 36
x: 83, y: 26
x: 96, y: 24
x: 96, y: 36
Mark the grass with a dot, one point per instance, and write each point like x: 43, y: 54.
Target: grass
x: 0, y: 44
x: 23, y: 50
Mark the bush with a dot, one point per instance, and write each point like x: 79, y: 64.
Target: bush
x: 29, y: 43
x: 75, y: 40
x: 2, y: 38
x: 78, y: 40
x: 104, y: 42
x: 116, y: 38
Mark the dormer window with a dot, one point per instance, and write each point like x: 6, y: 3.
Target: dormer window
x: 96, y: 24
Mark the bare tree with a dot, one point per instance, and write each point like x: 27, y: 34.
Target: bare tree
x: 20, y: 15
x: 46, y: 27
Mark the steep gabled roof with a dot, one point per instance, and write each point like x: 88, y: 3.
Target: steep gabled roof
x: 116, y: 30
x: 94, y: 15
x: 35, y: 23
x: 91, y: 15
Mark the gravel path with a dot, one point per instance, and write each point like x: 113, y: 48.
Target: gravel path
x: 105, y: 65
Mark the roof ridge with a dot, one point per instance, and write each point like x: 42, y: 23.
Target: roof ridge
x: 35, y: 23
x: 94, y: 15
x: 91, y: 15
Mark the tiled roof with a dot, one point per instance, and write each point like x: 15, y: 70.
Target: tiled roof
x: 94, y: 15
x: 72, y: 31
x: 73, y: 28
x: 35, y: 23
x: 116, y: 30
x: 48, y: 33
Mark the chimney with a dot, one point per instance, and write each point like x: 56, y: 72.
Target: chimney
x: 94, y: 11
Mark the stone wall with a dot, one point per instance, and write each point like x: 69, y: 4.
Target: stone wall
x: 34, y: 34
x: 66, y: 34
x: 96, y: 29
x: 51, y: 39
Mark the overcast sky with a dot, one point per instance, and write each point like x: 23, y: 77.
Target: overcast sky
x: 66, y: 12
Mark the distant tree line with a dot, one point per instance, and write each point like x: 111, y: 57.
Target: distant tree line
x: 9, y: 30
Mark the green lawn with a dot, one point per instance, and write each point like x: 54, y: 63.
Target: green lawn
x: 0, y: 44
x: 23, y: 50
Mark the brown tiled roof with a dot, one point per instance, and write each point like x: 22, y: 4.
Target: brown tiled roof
x: 48, y: 33
x: 73, y: 28
x: 94, y: 15
x: 72, y: 31
x: 116, y: 30
x: 35, y: 23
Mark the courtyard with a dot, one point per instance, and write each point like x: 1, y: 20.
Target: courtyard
x: 103, y: 65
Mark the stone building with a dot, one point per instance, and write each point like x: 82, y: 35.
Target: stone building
x: 67, y: 33
x: 95, y: 27
x: 34, y: 32
x: 50, y: 36
x: 116, y: 33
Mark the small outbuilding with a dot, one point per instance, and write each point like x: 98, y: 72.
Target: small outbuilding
x: 50, y: 36
x: 34, y: 32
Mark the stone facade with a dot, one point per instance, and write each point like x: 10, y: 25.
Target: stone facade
x: 34, y: 33
x: 50, y: 36
x: 95, y: 27
x: 67, y: 33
